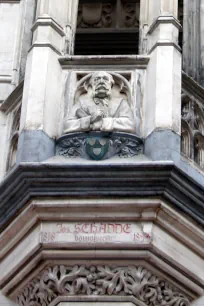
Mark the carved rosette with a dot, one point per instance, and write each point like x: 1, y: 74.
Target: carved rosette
x: 100, y: 281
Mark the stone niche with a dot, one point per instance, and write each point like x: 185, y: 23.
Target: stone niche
x: 101, y: 122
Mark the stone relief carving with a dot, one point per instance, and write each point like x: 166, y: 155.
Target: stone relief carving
x: 192, y: 134
x: 131, y: 14
x: 109, y: 14
x: 101, y: 280
x: 101, y: 104
x: 98, y: 147
x: 95, y: 15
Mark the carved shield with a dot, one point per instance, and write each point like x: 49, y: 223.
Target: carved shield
x: 92, y: 13
x: 97, y: 147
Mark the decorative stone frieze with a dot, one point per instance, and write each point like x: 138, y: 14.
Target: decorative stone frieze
x: 134, y: 281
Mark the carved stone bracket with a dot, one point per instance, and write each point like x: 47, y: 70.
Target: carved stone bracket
x: 99, y: 146
x: 134, y: 281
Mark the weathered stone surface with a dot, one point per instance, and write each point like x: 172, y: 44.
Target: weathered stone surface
x: 98, y: 145
x: 101, y: 280
x: 100, y: 107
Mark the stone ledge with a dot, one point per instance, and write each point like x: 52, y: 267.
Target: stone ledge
x: 191, y: 86
x: 46, y: 20
x: 122, y: 60
x: 13, y: 98
x: 149, y: 179
x: 44, y: 45
x: 169, y: 19
x: 10, y: 1
x: 163, y: 43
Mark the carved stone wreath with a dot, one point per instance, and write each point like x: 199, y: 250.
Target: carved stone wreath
x: 101, y: 280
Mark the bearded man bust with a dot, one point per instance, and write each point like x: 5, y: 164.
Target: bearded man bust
x: 98, y: 111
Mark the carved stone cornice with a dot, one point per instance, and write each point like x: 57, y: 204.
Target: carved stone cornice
x: 28, y: 181
x: 134, y: 281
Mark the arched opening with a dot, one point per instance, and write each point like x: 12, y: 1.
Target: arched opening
x: 13, y: 151
x: 14, y: 139
x: 107, y: 27
x: 185, y: 142
x: 180, y: 18
x: 199, y: 150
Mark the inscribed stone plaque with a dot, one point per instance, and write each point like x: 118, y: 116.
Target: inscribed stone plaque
x: 96, y: 233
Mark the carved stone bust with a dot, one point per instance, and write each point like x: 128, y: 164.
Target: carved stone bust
x: 100, y: 108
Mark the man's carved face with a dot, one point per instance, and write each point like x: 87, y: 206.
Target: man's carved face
x: 101, y: 83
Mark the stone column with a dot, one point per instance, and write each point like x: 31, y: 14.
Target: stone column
x: 162, y: 7
x: 71, y: 25
x: 42, y: 97
x: 144, y: 13
x: 23, y: 39
x: 202, y: 40
x: 191, y: 38
x: 162, y: 109
x: 149, y: 12
x: 3, y: 144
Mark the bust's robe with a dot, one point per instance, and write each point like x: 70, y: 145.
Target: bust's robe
x: 118, y: 117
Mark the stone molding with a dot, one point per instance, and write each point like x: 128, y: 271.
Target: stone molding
x: 10, y: 1
x: 138, y: 61
x: 13, y: 99
x: 101, y: 280
x: 192, y: 87
x: 164, y: 44
x: 45, y: 45
x: 164, y: 19
x: 5, y: 78
x: 147, y: 179
x: 46, y: 20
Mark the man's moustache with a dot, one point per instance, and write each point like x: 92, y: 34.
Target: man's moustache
x: 102, y: 86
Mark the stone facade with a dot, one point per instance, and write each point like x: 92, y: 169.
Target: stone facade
x: 101, y: 153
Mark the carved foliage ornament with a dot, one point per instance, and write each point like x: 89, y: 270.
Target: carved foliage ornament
x: 100, y: 280
x: 99, y: 146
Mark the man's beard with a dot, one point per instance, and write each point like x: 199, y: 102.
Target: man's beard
x: 102, y: 92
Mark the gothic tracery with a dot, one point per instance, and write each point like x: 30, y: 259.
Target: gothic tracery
x: 192, y: 134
